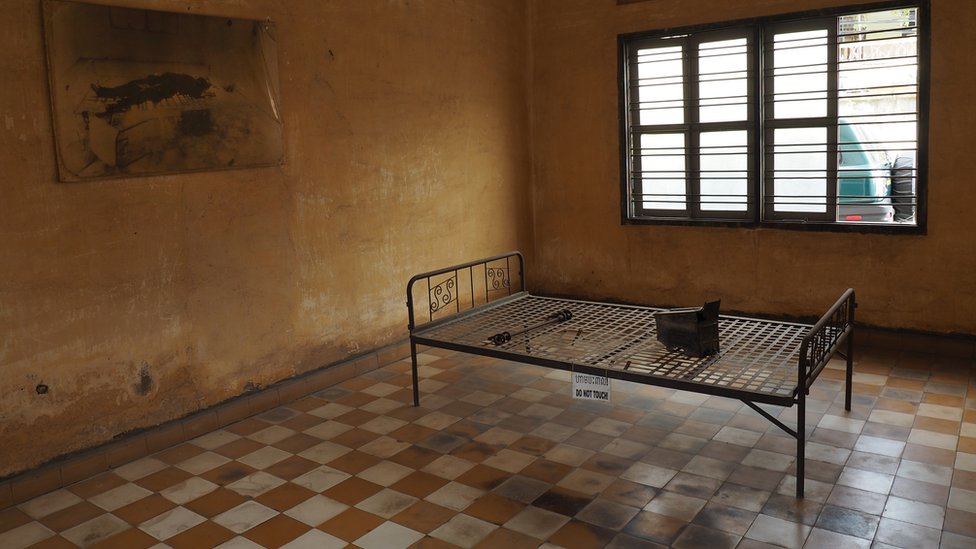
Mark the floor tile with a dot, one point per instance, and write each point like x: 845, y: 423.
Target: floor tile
x: 178, y: 453
x: 866, y: 480
x: 914, y: 512
x: 183, y: 492
x: 299, y: 441
x: 316, y: 510
x: 655, y: 528
x: 419, y: 484
x: 386, y: 503
x: 562, y: 501
x: 95, y: 530
x: 675, y: 505
x: 141, y: 467
x: 494, y: 508
x: 55, y: 542
x: 464, y: 530
x: 580, y: 535
x: 778, y: 531
x: 351, y: 524
x: 352, y: 490
x: 205, y: 534
x: 385, y: 473
x: 788, y: 507
x: 848, y: 521
x: 131, y: 538
x: 455, y: 495
x: 238, y: 542
x: 650, y: 475
x: 202, y: 462
x: 500, y: 455
x: 163, y: 479
x: 859, y: 500
x: 315, y: 539
x: 140, y: 511
x: 284, y: 497
x: 53, y: 502
x: 291, y: 467
x: 170, y: 523
x: 272, y: 434
x: 586, y: 482
x: 209, y: 505
x: 483, y: 477
x: 695, y: 537
x: 537, y: 523
x: 424, y: 516
x: 238, y: 448
x: 264, y: 457
x: 826, y: 538
x: 227, y: 473
x: 277, y: 531
x: 244, y: 517
x: 25, y: 535
x: 902, y: 534
x: 384, y: 447
x: 71, y: 516
x: 607, y: 514
x: 321, y: 478
x: 12, y: 517
x: 695, y: 486
x: 523, y: 489
x: 727, y: 519
x: 354, y: 462
x: 255, y: 484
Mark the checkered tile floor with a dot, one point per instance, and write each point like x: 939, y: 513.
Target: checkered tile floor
x: 499, y: 455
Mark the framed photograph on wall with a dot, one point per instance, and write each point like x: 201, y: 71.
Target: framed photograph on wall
x: 142, y: 92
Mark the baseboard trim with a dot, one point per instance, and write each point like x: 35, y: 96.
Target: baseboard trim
x: 954, y: 345
x: 71, y: 468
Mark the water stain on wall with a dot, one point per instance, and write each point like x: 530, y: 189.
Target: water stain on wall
x: 146, y: 384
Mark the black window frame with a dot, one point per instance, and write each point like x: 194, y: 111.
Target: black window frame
x: 758, y: 214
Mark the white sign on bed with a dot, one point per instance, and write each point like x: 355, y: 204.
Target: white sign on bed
x: 590, y: 387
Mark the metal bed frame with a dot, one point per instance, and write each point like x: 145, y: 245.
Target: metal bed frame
x: 482, y: 307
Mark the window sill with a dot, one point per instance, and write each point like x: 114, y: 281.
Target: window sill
x: 893, y: 228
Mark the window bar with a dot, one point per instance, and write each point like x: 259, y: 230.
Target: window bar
x: 692, y: 81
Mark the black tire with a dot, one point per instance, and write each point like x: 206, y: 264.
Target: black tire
x: 903, y: 187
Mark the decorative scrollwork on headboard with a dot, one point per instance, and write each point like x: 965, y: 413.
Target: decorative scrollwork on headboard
x: 458, y: 288
x: 443, y: 294
x: 827, y: 334
x: 498, y: 278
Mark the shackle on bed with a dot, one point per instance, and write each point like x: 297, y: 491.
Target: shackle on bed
x: 554, y: 318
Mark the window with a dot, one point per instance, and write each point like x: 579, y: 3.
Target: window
x: 811, y: 120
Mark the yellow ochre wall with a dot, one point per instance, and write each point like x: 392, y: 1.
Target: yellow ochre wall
x: 142, y: 300
x: 923, y: 282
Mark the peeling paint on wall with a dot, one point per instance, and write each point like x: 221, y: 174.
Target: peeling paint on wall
x: 140, y: 302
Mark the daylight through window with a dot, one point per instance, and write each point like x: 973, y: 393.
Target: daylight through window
x: 801, y: 120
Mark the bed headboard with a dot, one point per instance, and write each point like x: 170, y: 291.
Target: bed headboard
x: 451, y: 291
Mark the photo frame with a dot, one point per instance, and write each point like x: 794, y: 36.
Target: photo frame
x: 138, y: 92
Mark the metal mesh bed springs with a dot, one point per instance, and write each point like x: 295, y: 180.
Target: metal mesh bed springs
x: 482, y: 307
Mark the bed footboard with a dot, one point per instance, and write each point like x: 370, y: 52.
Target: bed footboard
x: 824, y: 339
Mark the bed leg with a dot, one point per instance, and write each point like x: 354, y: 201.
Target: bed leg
x: 801, y: 433
x: 413, y: 367
x: 850, y: 372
